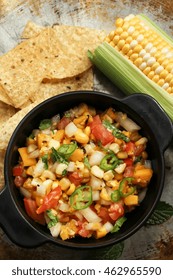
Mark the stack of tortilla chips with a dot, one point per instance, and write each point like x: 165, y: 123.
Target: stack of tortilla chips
x: 48, y: 61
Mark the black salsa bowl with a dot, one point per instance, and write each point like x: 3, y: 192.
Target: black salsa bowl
x: 155, y: 125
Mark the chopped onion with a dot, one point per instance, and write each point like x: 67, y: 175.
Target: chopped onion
x: 96, y: 158
x: 95, y: 195
x: 31, y: 148
x: 71, y: 166
x: 95, y: 183
x: 147, y: 163
x: 108, y: 226
x: 90, y: 215
x: 25, y: 192
x: 64, y: 207
x: 127, y: 123
x: 39, y: 168
x: 34, y: 154
x: 70, y: 129
x: 55, y: 230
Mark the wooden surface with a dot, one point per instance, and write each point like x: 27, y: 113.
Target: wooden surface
x: 154, y: 242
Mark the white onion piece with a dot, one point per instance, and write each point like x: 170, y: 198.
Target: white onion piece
x: 71, y: 166
x: 39, y: 168
x: 31, y: 148
x: 95, y: 183
x: 108, y: 226
x: 34, y: 154
x: 55, y: 230
x: 25, y: 192
x: 96, y: 158
x: 70, y: 129
x: 90, y: 215
x: 95, y: 195
x: 64, y: 207
x: 127, y: 123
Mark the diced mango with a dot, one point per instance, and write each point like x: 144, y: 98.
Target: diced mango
x: 27, y: 161
x: 77, y: 155
x: 101, y: 232
x: 131, y: 200
x: 59, y: 135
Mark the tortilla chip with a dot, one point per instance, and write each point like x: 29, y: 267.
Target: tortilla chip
x: 9, y: 126
x: 49, y: 89
x: 6, y: 112
x: 2, y: 156
x: 31, y: 29
x: 55, y: 53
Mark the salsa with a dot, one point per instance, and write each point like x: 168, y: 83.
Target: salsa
x: 81, y: 172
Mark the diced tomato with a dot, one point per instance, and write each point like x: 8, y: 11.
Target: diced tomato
x: 100, y: 132
x: 63, y: 122
x: 139, y: 149
x: 75, y: 178
x: 50, y: 200
x: 129, y: 171
x: 116, y: 211
x: 17, y: 170
x: 130, y: 148
x: 19, y: 181
x: 82, y: 231
x: 128, y: 161
x: 104, y: 215
x: 31, y: 207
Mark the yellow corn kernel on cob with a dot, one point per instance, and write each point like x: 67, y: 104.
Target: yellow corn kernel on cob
x: 138, y: 58
x: 145, y: 48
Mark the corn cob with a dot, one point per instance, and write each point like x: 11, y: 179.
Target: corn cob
x: 138, y: 57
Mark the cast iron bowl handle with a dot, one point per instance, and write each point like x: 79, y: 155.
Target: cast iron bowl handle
x: 16, y: 228
x: 150, y: 110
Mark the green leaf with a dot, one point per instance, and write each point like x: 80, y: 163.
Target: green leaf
x: 44, y: 124
x: 110, y: 253
x: 161, y: 214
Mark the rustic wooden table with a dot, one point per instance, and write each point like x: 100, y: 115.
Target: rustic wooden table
x: 154, y: 242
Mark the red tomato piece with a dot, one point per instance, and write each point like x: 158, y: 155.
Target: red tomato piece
x: 63, y: 122
x: 129, y: 171
x: 104, y: 215
x: 82, y: 231
x: 19, y: 181
x: 116, y: 211
x: 50, y: 200
x: 128, y: 161
x: 31, y: 207
x: 17, y: 170
x: 100, y: 132
x: 75, y: 178
x: 130, y: 148
x: 139, y: 149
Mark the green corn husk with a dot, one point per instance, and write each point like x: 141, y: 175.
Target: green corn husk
x: 127, y: 76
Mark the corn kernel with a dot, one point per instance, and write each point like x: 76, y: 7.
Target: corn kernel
x: 112, y: 44
x: 134, y: 56
x: 171, y: 83
x: 119, y: 22
x: 164, y: 74
x: 169, y: 67
x: 111, y: 34
x: 161, y: 82
x: 151, y: 75
x: 137, y: 49
x: 126, y: 48
x: 125, y: 26
x: 124, y: 35
x: 168, y: 78
x: 147, y: 70
x: 116, y: 39
x: 169, y: 90
x: 135, y: 34
x: 129, y: 39
x: 138, y: 61
x: 155, y: 65
x: 120, y: 44
x: 155, y: 78
x: 119, y: 30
